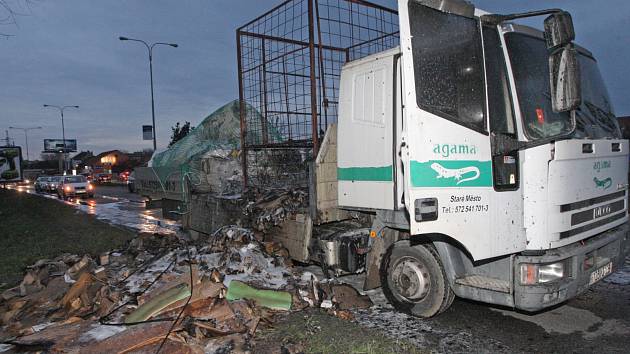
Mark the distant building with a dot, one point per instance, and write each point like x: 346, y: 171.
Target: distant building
x: 112, y: 161
x: 81, y: 159
x: 113, y: 158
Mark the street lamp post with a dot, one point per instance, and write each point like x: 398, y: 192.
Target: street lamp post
x: 150, y: 50
x: 25, y: 130
x: 63, y: 129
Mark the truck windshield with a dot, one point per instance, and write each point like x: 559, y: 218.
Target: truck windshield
x: 595, y: 119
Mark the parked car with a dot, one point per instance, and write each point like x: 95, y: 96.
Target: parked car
x: 75, y: 186
x: 88, y: 176
x: 131, y: 182
x: 124, y: 176
x: 102, y: 178
x: 41, y: 184
x: 53, y: 184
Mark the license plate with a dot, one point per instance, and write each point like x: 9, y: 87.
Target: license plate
x: 600, y: 273
x: 80, y: 191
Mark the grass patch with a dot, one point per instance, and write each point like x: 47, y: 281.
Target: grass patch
x: 32, y: 228
x: 317, y: 332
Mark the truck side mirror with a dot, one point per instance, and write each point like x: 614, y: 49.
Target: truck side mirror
x: 564, y: 75
x: 559, y: 30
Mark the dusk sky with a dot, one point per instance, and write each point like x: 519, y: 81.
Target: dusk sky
x: 67, y: 52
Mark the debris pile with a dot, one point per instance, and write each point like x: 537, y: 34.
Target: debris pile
x: 271, y: 208
x: 164, y: 293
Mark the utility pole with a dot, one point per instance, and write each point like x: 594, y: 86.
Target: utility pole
x: 25, y: 130
x: 63, y: 133
x: 150, y: 49
x: 7, y: 140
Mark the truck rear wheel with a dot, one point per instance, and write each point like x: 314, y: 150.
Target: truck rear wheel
x: 414, y: 281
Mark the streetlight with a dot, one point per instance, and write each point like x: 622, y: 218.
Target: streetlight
x: 63, y: 129
x: 25, y: 130
x: 150, y: 49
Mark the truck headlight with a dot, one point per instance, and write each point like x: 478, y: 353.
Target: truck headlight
x: 542, y: 273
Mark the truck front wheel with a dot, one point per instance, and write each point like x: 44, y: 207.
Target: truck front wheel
x: 414, y: 281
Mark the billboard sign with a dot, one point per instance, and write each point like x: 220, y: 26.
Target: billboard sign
x: 147, y: 132
x: 10, y: 164
x: 56, y: 145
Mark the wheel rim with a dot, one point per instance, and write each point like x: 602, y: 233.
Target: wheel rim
x: 410, y: 279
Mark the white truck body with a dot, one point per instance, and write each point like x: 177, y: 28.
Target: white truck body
x: 564, y: 200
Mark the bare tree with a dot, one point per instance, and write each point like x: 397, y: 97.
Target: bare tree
x: 10, y: 10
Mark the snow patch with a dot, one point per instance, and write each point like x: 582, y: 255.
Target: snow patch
x: 138, y: 281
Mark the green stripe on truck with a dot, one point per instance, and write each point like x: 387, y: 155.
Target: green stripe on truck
x: 367, y: 174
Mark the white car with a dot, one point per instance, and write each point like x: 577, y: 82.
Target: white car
x: 41, y: 184
x: 74, y: 186
x: 53, y: 183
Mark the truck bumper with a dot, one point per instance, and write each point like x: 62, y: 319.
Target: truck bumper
x: 610, y: 246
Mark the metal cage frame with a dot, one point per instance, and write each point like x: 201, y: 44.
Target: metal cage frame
x: 289, y: 66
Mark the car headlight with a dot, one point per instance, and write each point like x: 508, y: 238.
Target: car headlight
x: 542, y: 273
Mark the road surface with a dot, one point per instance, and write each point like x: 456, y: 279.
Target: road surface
x: 115, y: 205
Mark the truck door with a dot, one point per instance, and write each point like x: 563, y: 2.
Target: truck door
x: 507, y: 205
x: 366, y: 166
x: 448, y: 164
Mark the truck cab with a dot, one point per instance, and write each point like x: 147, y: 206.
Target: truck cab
x: 490, y: 156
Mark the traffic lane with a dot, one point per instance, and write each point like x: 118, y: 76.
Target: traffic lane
x: 106, y: 194
x: 102, y: 193
x: 115, y: 205
x: 116, y: 192
x: 22, y: 188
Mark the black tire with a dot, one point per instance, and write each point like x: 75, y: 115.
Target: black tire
x: 423, y: 297
x: 449, y: 300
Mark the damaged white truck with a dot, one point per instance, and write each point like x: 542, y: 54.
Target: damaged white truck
x: 492, y: 153
x: 485, y: 154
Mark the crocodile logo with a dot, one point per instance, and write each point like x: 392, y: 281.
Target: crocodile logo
x: 456, y: 173
x: 603, y: 184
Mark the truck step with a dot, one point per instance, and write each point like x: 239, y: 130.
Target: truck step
x: 479, y: 281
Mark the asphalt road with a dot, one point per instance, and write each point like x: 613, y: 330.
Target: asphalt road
x: 596, y: 321
x: 115, y: 205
